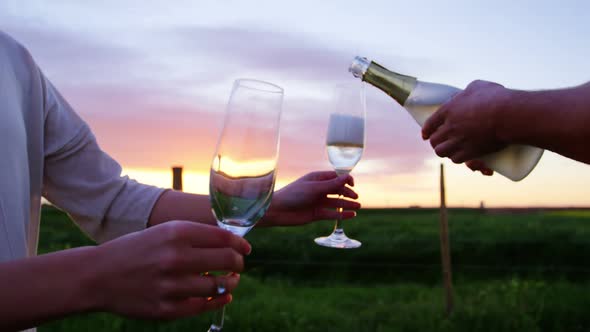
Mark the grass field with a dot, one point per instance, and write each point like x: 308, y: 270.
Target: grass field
x: 512, y: 271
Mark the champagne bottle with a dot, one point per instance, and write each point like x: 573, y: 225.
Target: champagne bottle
x: 422, y: 99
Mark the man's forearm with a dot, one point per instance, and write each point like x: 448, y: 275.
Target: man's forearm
x: 176, y: 205
x: 39, y: 289
x: 557, y: 120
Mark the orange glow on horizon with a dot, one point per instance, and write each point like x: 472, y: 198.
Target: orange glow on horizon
x: 546, y: 186
x: 243, y: 168
x: 193, y: 182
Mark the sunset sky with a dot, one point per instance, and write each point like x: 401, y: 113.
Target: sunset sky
x: 152, y: 79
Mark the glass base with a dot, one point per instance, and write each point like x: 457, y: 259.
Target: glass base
x: 214, y: 328
x: 218, y: 318
x: 338, y: 240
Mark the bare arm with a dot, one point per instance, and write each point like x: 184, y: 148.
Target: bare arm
x: 42, y: 288
x: 177, y: 205
x: 556, y: 120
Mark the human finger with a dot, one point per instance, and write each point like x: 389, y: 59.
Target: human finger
x: 333, y: 214
x: 320, y: 175
x: 433, y: 122
x: 204, y: 236
x: 478, y: 165
x: 197, y: 260
x: 439, y: 136
x: 487, y: 172
x: 459, y: 156
x: 208, y: 285
x: 333, y: 186
x: 348, y: 192
x: 446, y: 148
x: 341, y: 203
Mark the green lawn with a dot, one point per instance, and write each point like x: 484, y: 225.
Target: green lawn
x: 511, y: 272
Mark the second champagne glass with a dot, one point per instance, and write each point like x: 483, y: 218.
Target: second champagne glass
x: 345, y: 143
x: 243, y: 170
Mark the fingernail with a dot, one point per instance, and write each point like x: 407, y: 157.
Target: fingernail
x: 249, y: 250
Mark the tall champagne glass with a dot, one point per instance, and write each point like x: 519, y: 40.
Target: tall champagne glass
x: 345, y: 142
x: 243, y: 170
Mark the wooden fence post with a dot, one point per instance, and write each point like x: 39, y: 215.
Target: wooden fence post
x: 445, y: 246
x: 177, y: 178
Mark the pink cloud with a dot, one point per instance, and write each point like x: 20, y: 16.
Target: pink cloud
x: 70, y: 55
x: 150, y: 123
x: 297, y: 56
x: 174, y: 136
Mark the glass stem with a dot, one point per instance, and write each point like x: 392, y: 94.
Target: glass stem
x: 338, y: 226
x: 218, y: 317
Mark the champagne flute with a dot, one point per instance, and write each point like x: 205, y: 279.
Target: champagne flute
x: 243, y: 170
x: 345, y: 142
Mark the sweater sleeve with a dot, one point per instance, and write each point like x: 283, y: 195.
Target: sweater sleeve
x: 84, y: 181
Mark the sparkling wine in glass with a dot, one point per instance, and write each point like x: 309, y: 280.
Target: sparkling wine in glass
x: 243, y: 170
x: 345, y: 142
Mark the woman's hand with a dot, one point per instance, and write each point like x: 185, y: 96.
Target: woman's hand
x: 157, y: 273
x: 306, y: 200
